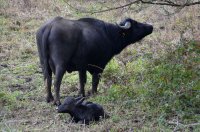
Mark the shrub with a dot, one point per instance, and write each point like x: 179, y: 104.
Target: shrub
x: 166, y: 87
x: 171, y: 83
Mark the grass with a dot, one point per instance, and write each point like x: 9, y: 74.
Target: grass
x: 148, y: 87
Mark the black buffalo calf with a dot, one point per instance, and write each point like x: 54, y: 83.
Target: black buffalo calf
x: 81, y: 111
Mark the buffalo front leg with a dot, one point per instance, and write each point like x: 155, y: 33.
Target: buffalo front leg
x: 95, y: 82
x: 58, y: 79
x: 82, y: 80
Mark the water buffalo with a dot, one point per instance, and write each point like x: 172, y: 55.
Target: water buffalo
x: 80, y: 111
x: 86, y: 44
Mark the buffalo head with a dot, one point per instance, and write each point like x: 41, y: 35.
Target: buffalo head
x: 133, y: 30
x: 70, y: 104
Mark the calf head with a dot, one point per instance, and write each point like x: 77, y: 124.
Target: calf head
x: 70, y: 104
x: 134, y: 31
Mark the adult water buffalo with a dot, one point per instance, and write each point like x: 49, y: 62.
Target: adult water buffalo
x: 86, y: 44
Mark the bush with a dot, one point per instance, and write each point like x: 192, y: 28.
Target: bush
x: 172, y: 83
x: 166, y: 87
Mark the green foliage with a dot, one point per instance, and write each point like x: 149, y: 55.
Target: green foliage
x: 112, y: 69
x: 166, y: 87
x: 119, y: 92
x: 173, y: 82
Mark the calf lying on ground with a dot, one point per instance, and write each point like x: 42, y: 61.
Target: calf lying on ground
x: 82, y: 111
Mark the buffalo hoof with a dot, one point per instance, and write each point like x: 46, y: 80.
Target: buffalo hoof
x: 49, y: 99
x: 57, y: 102
x: 81, y: 94
x: 91, y: 93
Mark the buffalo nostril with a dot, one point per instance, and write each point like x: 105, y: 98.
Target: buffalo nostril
x: 150, y: 29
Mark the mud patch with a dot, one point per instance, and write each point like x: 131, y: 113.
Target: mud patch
x: 17, y: 87
x: 25, y: 87
x: 27, y: 79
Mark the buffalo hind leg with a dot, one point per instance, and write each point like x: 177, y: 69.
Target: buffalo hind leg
x: 82, y: 80
x: 48, y: 82
x: 58, y: 78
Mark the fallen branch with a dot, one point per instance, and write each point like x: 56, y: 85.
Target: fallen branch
x: 180, y: 125
x: 169, y: 3
x: 44, y: 127
x: 14, y: 121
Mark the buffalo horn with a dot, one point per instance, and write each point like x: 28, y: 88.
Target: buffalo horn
x: 127, y: 25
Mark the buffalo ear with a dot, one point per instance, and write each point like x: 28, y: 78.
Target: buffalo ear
x: 80, y: 101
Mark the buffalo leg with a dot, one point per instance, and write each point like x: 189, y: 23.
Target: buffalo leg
x: 95, y: 82
x: 48, y: 81
x: 58, y: 78
x: 82, y: 80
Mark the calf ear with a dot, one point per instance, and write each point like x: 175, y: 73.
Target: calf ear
x: 78, y: 98
x: 80, y: 101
